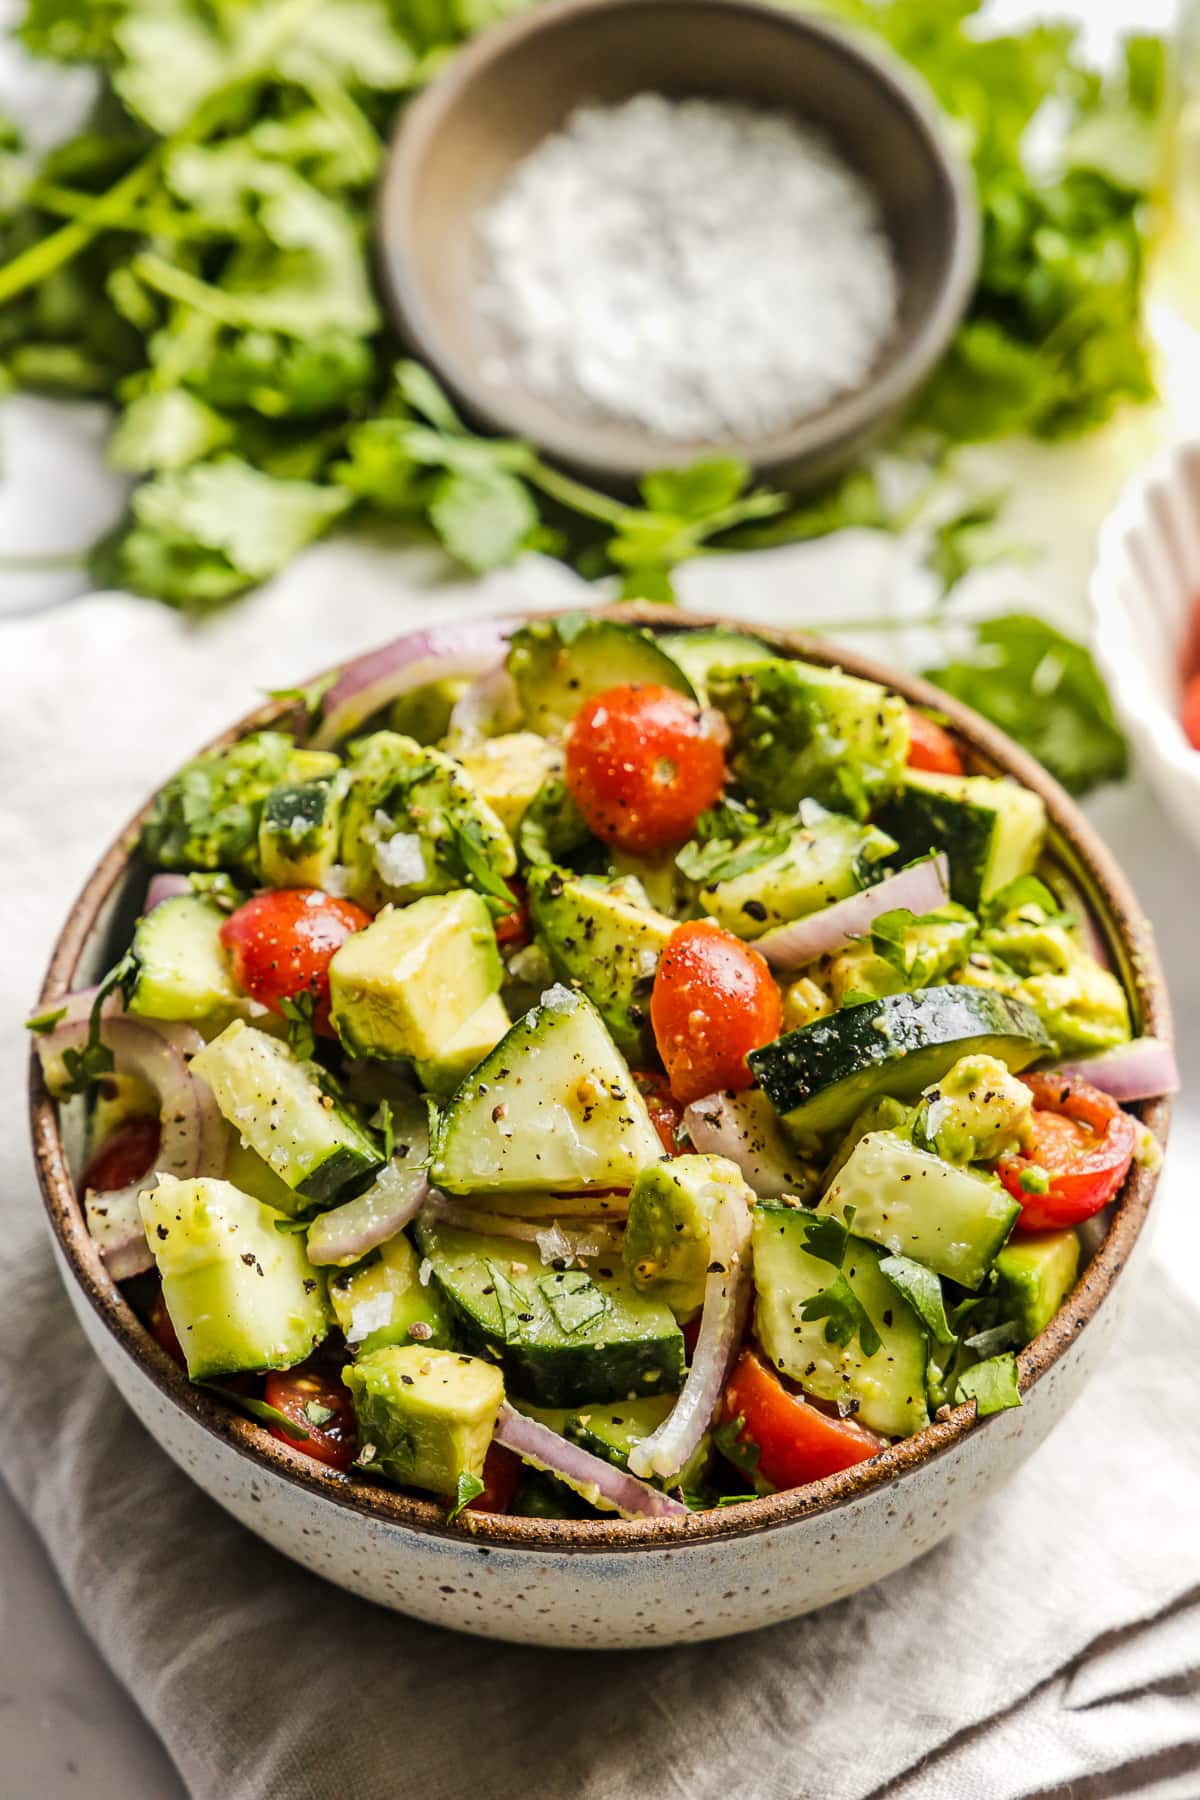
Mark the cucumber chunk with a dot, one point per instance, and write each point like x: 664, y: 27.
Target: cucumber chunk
x: 240, y: 1294
x: 992, y: 830
x: 825, y: 859
x: 954, y: 1220
x: 562, y: 1336
x: 888, y: 1386
x: 180, y: 968
x: 611, y: 1431
x: 290, y: 1112
x: 819, y: 1077
x: 699, y: 653
x: 557, y: 664
x: 553, y: 1109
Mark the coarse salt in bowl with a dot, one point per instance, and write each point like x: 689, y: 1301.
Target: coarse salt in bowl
x: 1144, y: 589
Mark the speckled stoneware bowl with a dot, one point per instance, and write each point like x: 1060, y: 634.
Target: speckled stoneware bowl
x: 605, y: 1583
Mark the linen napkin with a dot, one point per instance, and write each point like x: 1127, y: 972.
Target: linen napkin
x: 1054, y: 1641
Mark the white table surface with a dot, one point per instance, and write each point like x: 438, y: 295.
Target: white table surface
x: 66, y: 1726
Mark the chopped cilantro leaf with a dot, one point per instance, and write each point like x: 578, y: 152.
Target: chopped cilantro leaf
x: 845, y: 1316
x: 299, y: 1010
x: 468, y: 1488
x: 993, y: 1385
x: 923, y: 1291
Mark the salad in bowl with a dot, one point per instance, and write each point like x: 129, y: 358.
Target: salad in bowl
x: 567, y: 1068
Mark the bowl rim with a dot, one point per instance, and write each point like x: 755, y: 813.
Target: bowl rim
x: 1156, y: 728
x: 1120, y: 915
x: 820, y: 438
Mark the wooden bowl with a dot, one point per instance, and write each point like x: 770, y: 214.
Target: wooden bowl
x: 515, y: 84
x: 612, y: 1583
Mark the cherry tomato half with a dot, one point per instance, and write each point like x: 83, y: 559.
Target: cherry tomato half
x: 281, y: 943
x: 501, y: 1478
x: 315, y: 1399
x: 127, y: 1153
x: 1084, y: 1144
x: 1190, y: 714
x: 161, y: 1328
x: 666, y: 1114
x: 930, y: 746
x: 513, y: 928
x: 642, y: 764
x: 797, y: 1442
x: 714, y: 1000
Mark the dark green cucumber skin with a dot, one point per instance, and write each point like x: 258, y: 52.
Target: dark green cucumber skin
x: 336, y: 1173
x: 547, y: 1367
x: 921, y: 820
x: 808, y: 1065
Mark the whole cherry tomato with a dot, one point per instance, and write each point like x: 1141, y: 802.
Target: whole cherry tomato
x: 281, y: 943
x: 1190, y: 714
x: 313, y: 1397
x: 666, y: 1114
x: 714, y: 1001
x: 797, y: 1442
x: 127, y: 1153
x: 1081, y: 1143
x: 643, y: 763
x: 930, y: 746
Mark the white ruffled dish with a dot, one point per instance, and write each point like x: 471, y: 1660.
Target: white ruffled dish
x: 1144, y: 586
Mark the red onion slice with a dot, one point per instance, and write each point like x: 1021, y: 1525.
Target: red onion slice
x: 554, y: 1240
x: 193, y: 1140
x: 164, y: 886
x: 1142, y: 1070
x: 921, y: 889
x: 469, y: 647
x: 490, y: 706
x: 722, y: 1322
x: 598, y: 1481
x: 745, y: 1128
x: 346, y: 1233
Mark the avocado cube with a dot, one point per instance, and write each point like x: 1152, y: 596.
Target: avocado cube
x: 380, y: 1302
x: 299, y: 830
x: 800, y: 731
x: 409, y: 982
x: 425, y: 1417
x: 424, y: 712
x: 240, y: 1294
x: 1036, y: 1274
x: 207, y: 816
x: 667, y: 1247
x: 442, y: 1075
x: 507, y: 772
x: 605, y: 945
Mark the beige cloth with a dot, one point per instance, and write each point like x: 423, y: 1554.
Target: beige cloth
x: 1055, y: 1640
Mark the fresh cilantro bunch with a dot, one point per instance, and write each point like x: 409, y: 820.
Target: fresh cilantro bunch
x: 199, y: 255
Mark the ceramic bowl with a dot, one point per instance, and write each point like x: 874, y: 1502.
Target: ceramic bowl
x: 1144, y: 592
x: 606, y: 1582
x: 519, y: 82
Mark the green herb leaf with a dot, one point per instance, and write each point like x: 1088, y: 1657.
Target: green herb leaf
x: 742, y: 1452
x: 968, y: 540
x: 259, y: 1410
x: 483, y: 518
x: 481, y: 874
x: 923, y: 1291
x: 310, y: 697
x: 845, y: 1315
x: 1005, y: 1336
x: 467, y: 1488
x: 218, y: 887
x: 299, y: 1010
x: 318, y: 1415
x: 1042, y: 688
x: 827, y: 1237
x: 86, y: 1066
x: 44, y: 1022
x: 993, y: 1385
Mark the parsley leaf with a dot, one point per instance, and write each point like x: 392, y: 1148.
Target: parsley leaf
x: 44, y: 1022
x: 845, y: 1315
x: 85, y: 1066
x: 468, y: 1488
x: 471, y: 847
x: 993, y: 1385
x: 1042, y: 688
x: 923, y: 1291
x: 738, y: 1449
x: 260, y: 1410
x: 299, y: 1010
x: 827, y: 1237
